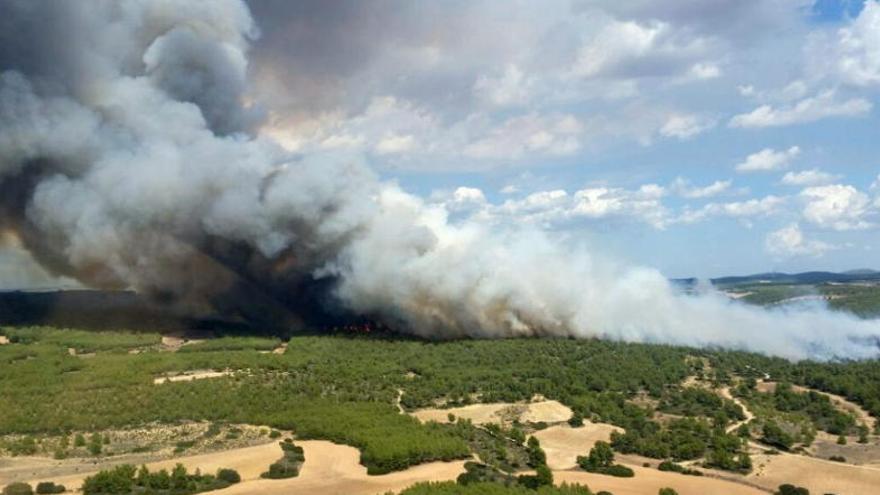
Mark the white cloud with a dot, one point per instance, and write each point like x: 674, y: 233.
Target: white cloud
x: 395, y: 143
x: 601, y: 202
x: 790, y: 241
x: 469, y: 195
x: 812, y: 177
x: 511, y: 87
x: 852, y: 54
x: 768, y: 159
x: 531, y: 133
x: 558, y: 206
x: 683, y: 126
x: 685, y: 189
x: 705, y: 71
x: 876, y: 184
x: 836, y: 207
x: 743, y: 210
x: 625, y: 49
x: 811, y: 109
x: 509, y: 189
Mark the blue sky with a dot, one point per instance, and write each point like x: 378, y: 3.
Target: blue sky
x: 701, y: 137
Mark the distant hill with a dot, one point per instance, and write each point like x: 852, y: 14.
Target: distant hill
x: 792, y: 278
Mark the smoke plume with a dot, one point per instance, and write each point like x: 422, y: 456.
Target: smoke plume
x: 130, y: 157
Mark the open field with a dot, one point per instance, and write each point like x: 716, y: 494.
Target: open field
x: 820, y: 476
x: 548, y: 411
x: 563, y: 444
x: 365, y: 409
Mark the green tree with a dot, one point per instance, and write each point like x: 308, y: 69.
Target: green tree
x: 601, y: 455
x: 18, y: 489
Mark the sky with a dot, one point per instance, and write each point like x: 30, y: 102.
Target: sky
x: 704, y: 138
x: 701, y: 137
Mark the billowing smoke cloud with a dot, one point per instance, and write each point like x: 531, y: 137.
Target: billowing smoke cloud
x: 129, y: 157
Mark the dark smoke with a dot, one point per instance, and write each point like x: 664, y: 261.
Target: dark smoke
x: 130, y: 158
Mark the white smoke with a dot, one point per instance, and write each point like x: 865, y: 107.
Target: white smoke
x: 134, y: 165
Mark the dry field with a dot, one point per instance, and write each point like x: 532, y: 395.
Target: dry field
x: 649, y: 481
x: 549, y: 411
x: 817, y: 475
x: 329, y: 469
x: 563, y: 444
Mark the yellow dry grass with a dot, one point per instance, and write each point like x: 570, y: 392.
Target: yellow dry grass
x: 650, y: 481
x: 817, y: 475
x: 563, y: 444
x: 549, y: 411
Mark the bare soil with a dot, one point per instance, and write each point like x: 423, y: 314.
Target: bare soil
x: 548, y: 411
x: 188, y: 376
x: 563, y: 444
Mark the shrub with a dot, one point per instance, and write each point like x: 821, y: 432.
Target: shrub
x: 788, y: 489
x: 228, y: 475
x: 618, y: 470
x: 837, y: 458
x: 18, y: 489
x: 576, y: 420
x: 49, y: 487
x: 667, y: 491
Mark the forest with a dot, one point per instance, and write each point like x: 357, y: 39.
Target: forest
x: 344, y: 388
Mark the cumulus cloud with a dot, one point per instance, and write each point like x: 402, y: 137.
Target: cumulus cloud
x: 812, y: 177
x: 157, y: 195
x: 824, y: 105
x: 621, y: 48
x: 685, y: 189
x: 790, y: 241
x: 743, y: 210
x: 768, y: 159
x: 852, y: 53
x: 684, y: 126
x: 553, y: 135
x: 837, y: 207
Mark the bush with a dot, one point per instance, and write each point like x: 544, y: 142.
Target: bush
x: 228, y: 475
x: 576, y: 420
x: 678, y: 468
x: 837, y: 458
x: 49, y: 487
x: 667, y: 491
x: 618, y: 470
x: 18, y: 489
x: 788, y: 489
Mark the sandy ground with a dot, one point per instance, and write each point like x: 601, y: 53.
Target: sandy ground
x: 188, y: 376
x: 4, y: 340
x: 248, y: 461
x: 817, y: 475
x: 563, y: 444
x: 549, y: 411
x: 334, y: 469
x: 649, y: 481
x: 329, y: 469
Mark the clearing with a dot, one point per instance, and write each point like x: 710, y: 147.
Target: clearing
x: 548, y: 411
x: 563, y: 444
x: 188, y: 376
